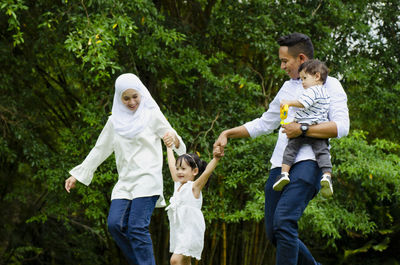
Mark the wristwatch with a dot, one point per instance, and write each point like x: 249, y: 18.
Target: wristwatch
x: 304, y: 129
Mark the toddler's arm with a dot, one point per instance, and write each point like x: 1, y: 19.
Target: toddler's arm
x: 291, y: 103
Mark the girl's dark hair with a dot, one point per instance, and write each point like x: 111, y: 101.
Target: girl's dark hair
x: 193, y: 161
x: 297, y: 43
x: 315, y: 66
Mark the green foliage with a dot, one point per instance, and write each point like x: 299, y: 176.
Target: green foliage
x: 238, y: 192
x: 210, y: 65
x: 362, y: 215
x: 12, y: 9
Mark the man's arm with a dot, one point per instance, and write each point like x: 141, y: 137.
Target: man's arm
x: 323, y: 130
x: 236, y: 132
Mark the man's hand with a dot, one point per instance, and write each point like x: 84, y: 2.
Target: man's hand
x: 217, y: 152
x: 292, y: 129
x: 219, y: 145
x: 237, y: 132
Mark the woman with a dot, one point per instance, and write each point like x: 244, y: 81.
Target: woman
x: 133, y: 132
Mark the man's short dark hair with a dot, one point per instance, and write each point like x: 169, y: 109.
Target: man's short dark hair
x: 315, y: 66
x: 297, y: 43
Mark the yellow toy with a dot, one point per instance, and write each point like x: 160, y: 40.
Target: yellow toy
x: 284, y: 113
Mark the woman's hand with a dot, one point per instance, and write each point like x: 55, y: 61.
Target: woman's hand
x: 70, y: 183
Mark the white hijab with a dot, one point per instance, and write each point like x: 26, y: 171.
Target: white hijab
x: 126, y: 122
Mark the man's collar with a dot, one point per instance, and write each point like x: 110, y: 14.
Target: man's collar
x: 295, y: 80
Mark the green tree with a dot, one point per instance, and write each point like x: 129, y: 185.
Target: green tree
x: 210, y: 65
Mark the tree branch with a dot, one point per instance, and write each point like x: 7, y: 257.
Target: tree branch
x: 315, y: 10
x: 87, y: 15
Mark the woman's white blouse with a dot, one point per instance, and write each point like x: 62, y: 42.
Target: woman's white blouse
x: 139, y: 160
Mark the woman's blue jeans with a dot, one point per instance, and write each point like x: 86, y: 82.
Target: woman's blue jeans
x: 128, y: 223
x: 283, y: 210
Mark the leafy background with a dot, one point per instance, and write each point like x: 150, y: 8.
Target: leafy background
x: 210, y: 65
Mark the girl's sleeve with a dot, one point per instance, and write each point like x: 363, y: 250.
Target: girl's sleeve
x: 103, y: 149
x: 163, y: 127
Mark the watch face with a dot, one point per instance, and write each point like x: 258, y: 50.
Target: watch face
x: 303, y: 127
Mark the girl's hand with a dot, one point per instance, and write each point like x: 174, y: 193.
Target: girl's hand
x: 217, y: 152
x: 169, y: 139
x: 70, y: 183
x: 220, y: 144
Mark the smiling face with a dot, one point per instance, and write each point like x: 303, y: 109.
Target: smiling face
x: 131, y: 99
x: 184, y: 172
x: 309, y: 80
x: 290, y: 63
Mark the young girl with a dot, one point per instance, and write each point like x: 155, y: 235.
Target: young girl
x: 187, y: 224
x: 133, y: 132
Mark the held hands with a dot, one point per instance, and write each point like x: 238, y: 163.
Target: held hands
x: 70, y: 183
x: 219, y: 145
x: 169, y: 139
x: 217, y: 153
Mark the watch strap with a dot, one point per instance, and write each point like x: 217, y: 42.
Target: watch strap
x: 304, y: 131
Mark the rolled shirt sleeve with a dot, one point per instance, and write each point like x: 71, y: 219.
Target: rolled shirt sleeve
x: 338, y: 110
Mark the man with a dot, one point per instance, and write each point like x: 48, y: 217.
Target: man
x: 284, y: 208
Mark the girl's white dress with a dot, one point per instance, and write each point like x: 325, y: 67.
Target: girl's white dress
x: 186, y: 220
